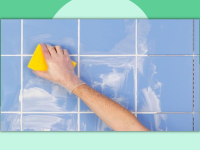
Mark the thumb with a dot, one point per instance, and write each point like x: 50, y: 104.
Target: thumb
x: 42, y: 74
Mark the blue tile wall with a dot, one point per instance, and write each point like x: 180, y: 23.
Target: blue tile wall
x: 55, y: 32
x: 112, y: 63
x: 167, y: 122
x: 43, y: 95
x: 164, y: 83
x: 10, y: 122
x: 165, y: 36
x: 49, y: 122
x: 196, y: 122
x: 107, y: 36
x: 196, y: 36
x: 196, y: 84
x: 10, y: 36
x: 111, y: 76
x: 10, y: 83
x: 91, y: 122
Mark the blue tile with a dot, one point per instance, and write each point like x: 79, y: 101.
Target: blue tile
x: 10, y: 83
x: 63, y: 32
x: 111, y: 76
x: 196, y: 122
x: 196, y: 84
x: 167, y: 122
x: 42, y: 95
x: 49, y: 122
x: 107, y: 36
x: 10, y: 122
x: 165, y: 36
x: 164, y: 83
x: 10, y: 36
x: 91, y: 122
x: 196, y: 36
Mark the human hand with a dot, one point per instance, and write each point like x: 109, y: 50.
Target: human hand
x: 60, y: 68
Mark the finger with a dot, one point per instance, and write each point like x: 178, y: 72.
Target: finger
x: 45, y: 51
x: 65, y: 52
x: 42, y: 74
x: 59, y: 50
x: 52, y: 50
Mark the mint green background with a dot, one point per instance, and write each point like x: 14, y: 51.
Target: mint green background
x: 99, y: 140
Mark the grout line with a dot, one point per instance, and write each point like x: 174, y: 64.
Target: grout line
x: 21, y: 93
x: 108, y: 55
x: 78, y: 73
x: 11, y: 55
x: 136, y: 68
x: 28, y: 55
x: 62, y: 112
x: 11, y: 112
x: 173, y: 55
x: 90, y: 112
x: 193, y: 76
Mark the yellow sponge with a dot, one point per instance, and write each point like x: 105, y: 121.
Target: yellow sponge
x: 38, y: 61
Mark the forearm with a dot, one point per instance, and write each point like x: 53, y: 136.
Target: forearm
x: 110, y: 112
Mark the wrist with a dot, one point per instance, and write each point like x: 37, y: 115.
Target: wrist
x: 71, y: 82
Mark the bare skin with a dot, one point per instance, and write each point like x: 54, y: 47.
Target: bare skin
x: 61, y: 71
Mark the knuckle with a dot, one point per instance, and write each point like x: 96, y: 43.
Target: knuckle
x: 57, y: 47
x: 51, y: 48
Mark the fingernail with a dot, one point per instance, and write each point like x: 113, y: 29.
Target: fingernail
x: 48, y: 45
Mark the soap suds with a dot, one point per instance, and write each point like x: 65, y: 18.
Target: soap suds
x: 114, y: 80
x: 11, y: 122
x: 43, y: 122
x: 36, y: 98
x: 152, y: 101
x: 39, y: 99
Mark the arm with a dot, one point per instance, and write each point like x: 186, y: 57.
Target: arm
x: 110, y: 112
x: 61, y: 71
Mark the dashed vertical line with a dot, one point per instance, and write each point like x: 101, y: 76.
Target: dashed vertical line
x: 21, y: 93
x: 78, y: 72
x: 136, y: 68
x: 193, y: 75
